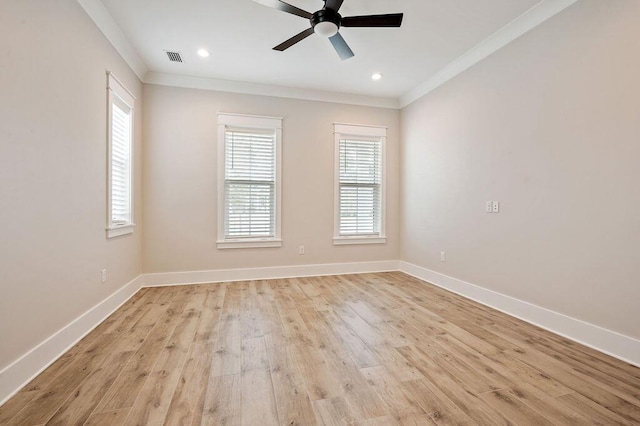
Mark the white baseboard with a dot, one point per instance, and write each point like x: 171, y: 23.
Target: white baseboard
x: 278, y: 272
x: 17, y: 374
x: 23, y: 370
x: 609, y: 342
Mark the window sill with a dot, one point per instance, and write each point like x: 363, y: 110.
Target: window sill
x: 239, y: 244
x: 120, y: 230
x: 344, y: 241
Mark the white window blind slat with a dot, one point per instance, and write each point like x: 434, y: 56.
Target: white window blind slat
x: 120, y: 164
x: 250, y: 179
x: 360, y: 181
x: 121, y: 107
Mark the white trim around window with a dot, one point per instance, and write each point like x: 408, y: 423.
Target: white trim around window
x: 266, y: 134
x: 120, y: 115
x: 361, y: 134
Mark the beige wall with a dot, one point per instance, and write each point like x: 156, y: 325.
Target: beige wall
x: 550, y: 127
x: 180, y: 180
x: 53, y: 61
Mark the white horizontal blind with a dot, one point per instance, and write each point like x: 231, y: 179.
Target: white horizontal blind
x: 360, y: 180
x: 120, y: 163
x: 250, y: 174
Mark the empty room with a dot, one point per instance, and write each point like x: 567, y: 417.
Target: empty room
x: 319, y: 212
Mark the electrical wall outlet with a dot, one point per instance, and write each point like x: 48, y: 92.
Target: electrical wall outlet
x: 301, y: 250
x: 443, y: 256
x: 104, y: 275
x: 496, y: 207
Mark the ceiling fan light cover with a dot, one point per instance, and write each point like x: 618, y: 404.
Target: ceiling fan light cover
x: 326, y: 29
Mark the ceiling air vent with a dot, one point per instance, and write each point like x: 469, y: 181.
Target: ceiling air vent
x: 174, y: 56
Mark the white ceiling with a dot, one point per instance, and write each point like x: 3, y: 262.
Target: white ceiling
x: 241, y: 33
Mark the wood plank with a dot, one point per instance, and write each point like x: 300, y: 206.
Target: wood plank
x: 112, y: 418
x: 129, y: 383
x: 152, y: 404
x: 521, y: 372
x: 514, y: 409
x: 16, y: 403
x: 91, y: 344
x: 363, y: 401
x: 440, y: 409
x: 254, y: 354
x: 394, y: 396
x: 381, y: 421
x: 292, y: 401
x: 397, y: 365
x: 596, y: 413
x: 163, y: 302
x: 438, y: 380
x: 293, y: 326
x: 476, y: 381
x: 547, y: 406
x: 187, y: 404
x: 414, y: 419
x: 258, y: 399
x: 209, y: 325
x: 228, y: 352
x: 320, y: 382
x: 79, y: 406
x: 367, y: 332
x: 584, y: 385
x: 251, y: 324
x: 222, y: 404
x: 272, y: 327
x: 365, y: 349
x: 612, y: 379
x: 334, y: 412
x: 42, y: 408
x: 362, y: 355
x: 133, y: 311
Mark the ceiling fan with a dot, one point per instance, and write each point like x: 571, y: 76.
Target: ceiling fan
x: 327, y: 21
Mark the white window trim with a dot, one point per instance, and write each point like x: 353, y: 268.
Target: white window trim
x: 257, y: 122
x: 115, y: 89
x: 120, y: 230
x: 362, y: 131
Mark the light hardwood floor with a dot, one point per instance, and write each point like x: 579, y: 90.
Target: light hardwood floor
x: 371, y: 349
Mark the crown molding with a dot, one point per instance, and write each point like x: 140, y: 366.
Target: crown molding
x: 519, y: 26
x: 105, y: 22
x: 268, y: 90
x: 514, y: 29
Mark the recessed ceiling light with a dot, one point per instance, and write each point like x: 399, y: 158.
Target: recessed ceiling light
x: 376, y: 76
x: 204, y: 53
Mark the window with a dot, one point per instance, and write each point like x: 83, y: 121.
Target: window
x: 249, y: 181
x: 120, y: 152
x: 359, y: 184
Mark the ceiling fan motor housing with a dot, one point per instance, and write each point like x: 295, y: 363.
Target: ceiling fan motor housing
x: 326, y: 22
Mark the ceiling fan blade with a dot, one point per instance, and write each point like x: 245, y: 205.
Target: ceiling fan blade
x: 293, y: 40
x: 341, y: 46
x: 285, y: 7
x: 390, y: 20
x: 333, y: 4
